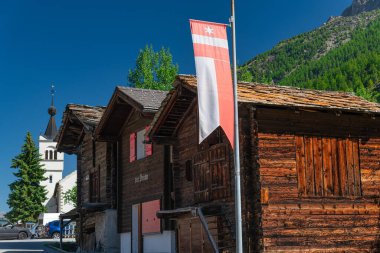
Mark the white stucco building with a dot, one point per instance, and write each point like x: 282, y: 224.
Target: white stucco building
x: 65, y: 184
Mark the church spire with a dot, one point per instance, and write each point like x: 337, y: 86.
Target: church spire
x: 51, y: 129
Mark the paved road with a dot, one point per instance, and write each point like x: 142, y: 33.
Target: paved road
x: 25, y: 246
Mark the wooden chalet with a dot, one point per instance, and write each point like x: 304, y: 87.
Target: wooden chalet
x: 310, y: 164
x: 96, y: 178
x: 144, y: 174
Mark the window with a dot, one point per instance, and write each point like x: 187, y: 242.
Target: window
x: 51, y: 154
x: 55, y: 154
x: 328, y: 166
x: 93, y: 153
x: 50, y: 179
x: 139, y: 149
x: 189, y: 170
x: 46, y: 154
x: 95, y: 186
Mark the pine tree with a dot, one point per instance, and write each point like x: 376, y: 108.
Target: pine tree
x: 27, y: 195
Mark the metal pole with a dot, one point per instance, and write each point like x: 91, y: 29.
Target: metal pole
x: 239, y: 230
x: 60, y: 232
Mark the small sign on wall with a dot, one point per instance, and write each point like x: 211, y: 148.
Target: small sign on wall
x: 141, y: 178
x: 150, y: 222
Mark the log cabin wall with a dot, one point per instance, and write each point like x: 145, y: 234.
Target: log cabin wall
x: 96, y: 175
x: 186, y: 149
x: 134, y: 187
x: 321, y: 209
x: 250, y: 179
x: 96, y: 161
x: 183, y: 150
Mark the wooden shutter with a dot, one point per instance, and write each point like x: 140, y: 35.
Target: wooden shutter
x: 328, y: 166
x: 132, y: 147
x: 201, y: 176
x: 148, y: 146
x: 150, y: 222
x: 220, y: 171
x: 212, y: 174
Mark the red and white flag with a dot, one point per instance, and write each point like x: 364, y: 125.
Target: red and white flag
x: 215, y: 90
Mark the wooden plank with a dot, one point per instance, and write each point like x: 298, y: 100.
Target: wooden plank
x: 350, y: 167
x: 318, y: 170
x: 196, y: 236
x: 185, y: 236
x: 219, y: 167
x: 335, y: 169
x: 310, y: 177
x: 301, y: 165
x: 264, y: 195
x: 356, y: 161
x: 342, y: 167
x: 327, y: 168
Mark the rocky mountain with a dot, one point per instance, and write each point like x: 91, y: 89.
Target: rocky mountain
x: 359, y: 6
x: 343, y: 54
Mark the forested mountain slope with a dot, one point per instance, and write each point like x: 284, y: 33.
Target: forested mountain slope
x: 343, y: 54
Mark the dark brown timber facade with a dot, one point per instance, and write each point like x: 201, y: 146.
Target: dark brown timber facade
x: 310, y: 165
x: 143, y: 173
x: 96, y: 180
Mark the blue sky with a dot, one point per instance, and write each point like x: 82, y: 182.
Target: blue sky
x: 87, y: 47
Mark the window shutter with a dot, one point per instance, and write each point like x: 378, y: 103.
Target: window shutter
x: 148, y: 146
x: 132, y: 147
x: 150, y: 222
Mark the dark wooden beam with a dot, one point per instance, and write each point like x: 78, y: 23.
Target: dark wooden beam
x: 164, y: 140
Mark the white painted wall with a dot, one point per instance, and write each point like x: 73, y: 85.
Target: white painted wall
x: 111, y: 237
x: 154, y: 243
x: 125, y: 243
x: 45, y: 218
x: 159, y: 243
x: 65, y: 184
x: 53, y: 168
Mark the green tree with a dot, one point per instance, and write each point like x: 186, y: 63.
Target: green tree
x: 245, y: 75
x: 154, y: 70
x: 70, y: 196
x: 27, y: 195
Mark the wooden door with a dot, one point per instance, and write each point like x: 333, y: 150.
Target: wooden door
x: 136, y: 229
x: 192, y: 238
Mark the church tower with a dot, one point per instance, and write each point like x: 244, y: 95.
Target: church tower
x: 51, y: 159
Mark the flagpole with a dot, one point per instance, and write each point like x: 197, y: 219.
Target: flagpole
x: 239, y: 230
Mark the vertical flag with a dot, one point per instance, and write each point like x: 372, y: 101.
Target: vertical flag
x: 215, y: 90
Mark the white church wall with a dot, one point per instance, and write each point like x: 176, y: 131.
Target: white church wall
x: 53, y: 170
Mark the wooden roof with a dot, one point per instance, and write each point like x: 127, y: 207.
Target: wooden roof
x: 123, y: 102
x: 285, y: 96
x: 77, y: 119
x: 180, y: 99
